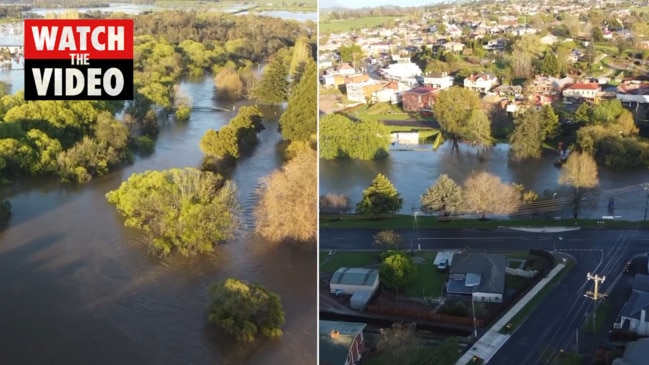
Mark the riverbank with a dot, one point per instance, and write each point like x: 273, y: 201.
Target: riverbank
x: 408, y: 221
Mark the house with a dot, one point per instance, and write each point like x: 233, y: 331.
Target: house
x: 362, y: 92
x: 634, y: 316
x: 345, y: 69
x: 453, y: 30
x: 582, y: 91
x: 333, y: 80
x: 341, y: 343
x: 390, y: 92
x: 635, y: 353
x: 548, y: 86
x: 437, y: 80
x: 356, y: 78
x: 482, y: 82
x: 549, y: 39
x: 509, y: 91
x: 632, y: 92
x: 455, y: 47
x: 325, y: 62
x: 401, y: 71
x: 480, y: 275
x: 422, y: 97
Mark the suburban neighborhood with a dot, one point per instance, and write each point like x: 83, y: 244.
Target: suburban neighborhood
x: 460, y: 273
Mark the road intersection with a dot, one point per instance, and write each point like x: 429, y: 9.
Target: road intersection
x: 553, y: 325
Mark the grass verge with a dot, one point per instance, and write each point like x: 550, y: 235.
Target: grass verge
x: 527, y: 309
x: 407, y: 221
x: 347, y: 259
x: 596, y: 321
x: 570, y: 359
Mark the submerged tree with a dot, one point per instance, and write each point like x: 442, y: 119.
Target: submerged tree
x: 381, y: 197
x: 184, y: 210
x: 486, y: 193
x: 299, y: 121
x: 245, y: 311
x: 287, y: 208
x: 444, y: 196
x: 456, y: 111
x: 272, y: 89
x: 580, y: 174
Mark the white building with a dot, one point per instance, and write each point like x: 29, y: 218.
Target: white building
x: 633, y: 92
x: 401, y: 71
x: 482, y: 82
x: 350, y: 280
x: 582, y: 91
x: 634, y: 316
x: 438, y: 81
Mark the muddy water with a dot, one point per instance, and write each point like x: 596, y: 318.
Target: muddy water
x: 76, y: 287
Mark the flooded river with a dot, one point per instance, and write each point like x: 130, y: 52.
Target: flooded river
x: 76, y: 287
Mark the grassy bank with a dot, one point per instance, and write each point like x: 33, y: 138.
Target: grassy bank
x: 595, y: 322
x: 527, y: 309
x: 407, y: 221
x: 349, y: 24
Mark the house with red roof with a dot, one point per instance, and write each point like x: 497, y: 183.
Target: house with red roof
x: 422, y: 97
x: 581, y: 90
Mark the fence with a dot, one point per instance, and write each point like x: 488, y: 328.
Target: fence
x: 423, y: 315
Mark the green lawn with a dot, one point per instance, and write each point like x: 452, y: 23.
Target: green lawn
x: 603, y: 310
x: 381, y: 111
x: 527, y: 309
x: 348, y: 259
x: 349, y: 24
x: 515, y: 282
x: 407, y: 221
x: 428, y: 283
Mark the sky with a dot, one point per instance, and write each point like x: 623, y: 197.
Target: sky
x: 357, y: 4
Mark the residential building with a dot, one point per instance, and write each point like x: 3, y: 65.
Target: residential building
x: 390, y: 92
x: 509, y: 91
x: 341, y: 343
x: 632, y: 92
x: 437, y: 80
x: 333, y: 80
x: 455, y: 47
x: 482, y: 82
x: 582, y: 91
x: 356, y: 78
x: 419, y: 98
x: 635, y: 353
x: 481, y: 276
x: 361, y: 92
x: 401, y: 71
x: 634, y: 313
x: 549, y: 39
x: 548, y: 86
x: 345, y: 69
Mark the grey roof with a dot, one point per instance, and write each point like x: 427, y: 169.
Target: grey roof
x: 489, y: 268
x: 636, y: 353
x: 639, y: 298
x: 335, y: 349
x: 355, y: 276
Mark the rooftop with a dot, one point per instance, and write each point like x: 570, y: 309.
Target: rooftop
x: 584, y: 86
x: 355, y: 276
x: 422, y: 90
x: 336, y: 339
x: 484, y: 272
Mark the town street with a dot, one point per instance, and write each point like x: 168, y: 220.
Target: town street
x: 552, y: 325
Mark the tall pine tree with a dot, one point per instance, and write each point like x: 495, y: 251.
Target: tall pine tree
x: 273, y: 87
x: 381, y: 197
x: 299, y: 121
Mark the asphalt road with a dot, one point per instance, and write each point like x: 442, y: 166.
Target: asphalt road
x: 552, y: 325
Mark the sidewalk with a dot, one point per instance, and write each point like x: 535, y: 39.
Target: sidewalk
x: 492, y: 340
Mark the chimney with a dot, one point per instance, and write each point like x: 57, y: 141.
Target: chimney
x: 335, y: 334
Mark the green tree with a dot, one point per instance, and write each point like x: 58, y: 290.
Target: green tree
x: 597, y: 35
x: 273, y: 86
x: 352, y: 54
x: 229, y: 85
x: 388, y: 240
x: 583, y: 114
x: 446, y: 353
x: 299, y: 121
x: 399, y: 344
x: 340, y: 137
x: 184, y: 210
x: 455, y: 111
x: 302, y: 52
x: 486, y: 193
x: 607, y: 111
x: 550, y: 65
x: 5, y: 212
x: 397, y: 270
x: 579, y: 173
x: 381, y: 197
x: 239, y: 135
x: 287, y: 208
x: 245, y: 311
x: 444, y: 196
x: 526, y: 140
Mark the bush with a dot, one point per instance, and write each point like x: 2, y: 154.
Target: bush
x: 145, y: 145
x: 183, y: 113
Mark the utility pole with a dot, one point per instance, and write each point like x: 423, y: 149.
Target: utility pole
x: 595, y: 295
x: 475, y: 328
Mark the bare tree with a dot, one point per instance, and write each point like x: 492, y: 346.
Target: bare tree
x: 388, y: 240
x: 335, y: 203
x: 580, y: 174
x: 486, y: 193
x: 399, y: 344
x: 287, y: 208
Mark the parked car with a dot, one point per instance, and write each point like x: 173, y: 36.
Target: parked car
x: 442, y: 265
